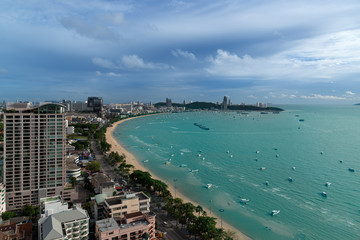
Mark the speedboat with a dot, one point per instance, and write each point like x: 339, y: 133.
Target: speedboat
x: 181, y: 153
x: 351, y: 170
x: 145, y: 161
x: 257, y: 152
x: 209, y: 185
x: 277, y: 155
x: 267, y: 183
x: 262, y: 168
x: 194, y: 170
x: 324, y: 194
x: 244, y: 201
x: 183, y: 165
x: 290, y: 179
x: 231, y: 156
x: 274, y: 212
x: 327, y: 184
x: 293, y: 168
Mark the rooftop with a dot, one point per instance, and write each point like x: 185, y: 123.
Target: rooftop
x: 107, y: 224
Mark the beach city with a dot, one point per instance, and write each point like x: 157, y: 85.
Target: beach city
x: 63, y: 175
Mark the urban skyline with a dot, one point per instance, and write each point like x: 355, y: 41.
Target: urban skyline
x: 274, y: 51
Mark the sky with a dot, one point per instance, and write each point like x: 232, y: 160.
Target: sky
x: 273, y: 51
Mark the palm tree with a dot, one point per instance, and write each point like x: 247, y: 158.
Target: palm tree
x: 199, y: 209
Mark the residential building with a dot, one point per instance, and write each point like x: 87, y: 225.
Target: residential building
x: 18, y: 228
x: 134, y: 226
x: 168, y: 102
x: 70, y: 225
x: 117, y: 207
x: 224, y: 104
x: 34, y: 153
x: 52, y: 205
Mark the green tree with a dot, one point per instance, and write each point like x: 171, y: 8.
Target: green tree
x: 28, y: 210
x: 7, y: 215
x: 73, y: 181
x: 93, y: 166
x: 199, y: 209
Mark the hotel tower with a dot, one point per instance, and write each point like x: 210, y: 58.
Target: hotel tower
x: 34, y: 153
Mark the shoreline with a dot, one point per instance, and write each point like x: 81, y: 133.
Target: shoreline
x: 130, y: 159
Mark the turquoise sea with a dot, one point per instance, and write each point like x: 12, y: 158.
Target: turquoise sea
x: 315, y: 147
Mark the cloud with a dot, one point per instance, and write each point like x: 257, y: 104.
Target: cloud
x: 349, y: 93
x: 185, y: 54
x: 109, y: 74
x: 135, y: 62
x: 105, y: 63
x: 95, y: 30
x: 3, y: 71
x: 322, y: 97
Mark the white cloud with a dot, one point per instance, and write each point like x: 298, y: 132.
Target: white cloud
x: 133, y: 61
x: 105, y: 63
x: 185, y: 54
x: 323, y: 97
x: 3, y: 71
x: 112, y: 74
x: 252, y: 97
x: 349, y: 93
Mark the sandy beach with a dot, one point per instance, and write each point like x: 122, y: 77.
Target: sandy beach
x: 130, y: 159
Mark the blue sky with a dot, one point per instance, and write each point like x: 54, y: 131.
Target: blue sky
x: 268, y: 51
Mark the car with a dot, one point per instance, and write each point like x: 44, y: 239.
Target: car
x: 165, y: 223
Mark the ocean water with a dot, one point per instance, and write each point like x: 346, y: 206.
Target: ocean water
x: 276, y: 142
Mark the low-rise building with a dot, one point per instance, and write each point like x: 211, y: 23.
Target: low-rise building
x: 134, y: 226
x: 117, y: 207
x: 18, y: 228
x: 72, y: 224
x: 103, y: 184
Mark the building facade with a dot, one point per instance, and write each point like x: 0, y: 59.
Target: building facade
x: 34, y: 154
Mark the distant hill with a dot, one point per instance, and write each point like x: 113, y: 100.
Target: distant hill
x: 213, y: 106
x: 357, y: 104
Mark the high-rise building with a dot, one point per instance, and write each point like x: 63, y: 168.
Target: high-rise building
x: 168, y: 102
x: 34, y: 154
x: 224, y: 104
x: 96, y: 103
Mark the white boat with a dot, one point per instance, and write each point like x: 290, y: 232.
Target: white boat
x: 227, y: 151
x: 293, y: 168
x: 327, y: 184
x: 324, y: 194
x: 262, y: 168
x: 277, y: 155
x: 203, y: 158
x: 181, y: 153
x: 145, y: 161
x: 244, y: 201
x: 172, y: 155
x: 209, y: 185
x: 199, y: 155
x: 231, y: 156
x: 290, y: 179
x: 257, y: 152
x: 194, y: 170
x: 274, y: 212
x: 183, y: 165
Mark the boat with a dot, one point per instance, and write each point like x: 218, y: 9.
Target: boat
x: 277, y: 155
x: 244, y: 201
x: 199, y: 155
x: 145, y: 161
x: 167, y: 162
x: 341, y: 161
x: 290, y: 179
x: 274, y: 212
x: 351, y: 170
x: 183, y: 165
x: 257, y: 152
x: 262, y: 168
x: 264, y: 113
x: 321, y: 153
x: 201, y: 126
x: 301, y: 120
x: 172, y: 155
x: 324, y: 194
x: 227, y: 151
x: 181, y: 153
x: 194, y: 170
x: 209, y: 185
x: 203, y: 158
x: 327, y: 184
x: 293, y: 168
x: 231, y: 156
x: 267, y: 183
